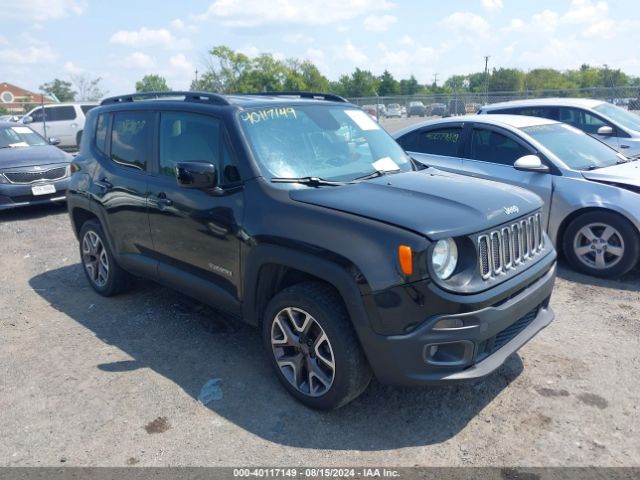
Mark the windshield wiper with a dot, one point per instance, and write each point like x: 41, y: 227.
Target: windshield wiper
x: 376, y: 174
x: 311, y: 181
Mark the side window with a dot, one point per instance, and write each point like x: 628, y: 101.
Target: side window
x: 591, y: 123
x: 571, y: 116
x: 186, y: 137
x: 493, y: 147
x: 439, y: 142
x: 544, y: 112
x: 101, y: 133
x: 131, y: 138
x: 86, y: 108
x: 37, y: 115
x: 58, y: 114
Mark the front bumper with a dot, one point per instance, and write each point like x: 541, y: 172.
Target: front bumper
x: 488, y: 336
x: 15, y: 195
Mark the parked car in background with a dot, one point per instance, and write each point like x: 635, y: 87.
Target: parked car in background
x: 591, y: 192
x: 303, y: 217
x: 416, y: 109
x: 32, y: 171
x: 437, y: 109
x: 9, y: 118
x: 371, y: 110
x: 615, y: 126
x: 64, y: 121
x: 382, y: 110
x: 403, y: 109
x: 456, y: 107
x: 394, y: 110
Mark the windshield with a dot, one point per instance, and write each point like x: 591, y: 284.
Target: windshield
x: 329, y: 142
x: 620, y: 115
x: 575, y: 148
x: 19, y: 136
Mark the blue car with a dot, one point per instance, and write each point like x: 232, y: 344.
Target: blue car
x: 32, y: 170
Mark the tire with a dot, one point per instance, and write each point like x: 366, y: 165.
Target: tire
x: 602, y: 244
x: 315, y: 312
x: 99, y: 265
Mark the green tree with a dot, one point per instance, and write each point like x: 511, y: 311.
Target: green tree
x: 387, y: 85
x: 152, y: 83
x: 547, y: 79
x: 60, y: 88
x: 409, y: 86
x: 506, y: 80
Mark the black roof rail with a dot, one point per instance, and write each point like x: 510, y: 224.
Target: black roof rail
x: 330, y: 97
x: 209, y: 97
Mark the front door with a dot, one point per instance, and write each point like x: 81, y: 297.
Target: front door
x: 196, y: 230
x: 491, y: 153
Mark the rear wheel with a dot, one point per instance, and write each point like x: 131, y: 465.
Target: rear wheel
x: 313, y: 348
x: 99, y: 265
x: 602, y: 244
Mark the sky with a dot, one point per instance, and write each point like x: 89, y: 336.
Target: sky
x: 122, y: 41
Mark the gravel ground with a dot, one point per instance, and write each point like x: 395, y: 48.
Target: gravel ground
x: 111, y: 382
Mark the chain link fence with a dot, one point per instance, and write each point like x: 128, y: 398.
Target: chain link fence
x: 459, y: 103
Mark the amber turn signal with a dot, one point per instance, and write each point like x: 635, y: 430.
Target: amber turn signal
x: 405, y: 257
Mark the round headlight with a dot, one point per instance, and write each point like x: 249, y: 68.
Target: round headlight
x: 444, y: 258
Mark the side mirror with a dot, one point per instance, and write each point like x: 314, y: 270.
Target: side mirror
x: 605, y: 130
x: 54, y: 141
x: 27, y: 120
x: 530, y: 163
x: 196, y: 175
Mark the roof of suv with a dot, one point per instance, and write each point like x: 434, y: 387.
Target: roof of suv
x: 242, y: 100
x: 569, y: 102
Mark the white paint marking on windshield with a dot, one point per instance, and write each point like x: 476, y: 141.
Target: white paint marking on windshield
x: 364, y: 121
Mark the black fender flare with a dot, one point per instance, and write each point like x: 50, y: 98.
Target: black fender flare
x: 331, y: 272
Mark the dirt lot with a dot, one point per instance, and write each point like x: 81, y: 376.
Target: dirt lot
x: 94, y: 381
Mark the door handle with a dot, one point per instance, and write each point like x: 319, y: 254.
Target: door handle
x: 104, y: 184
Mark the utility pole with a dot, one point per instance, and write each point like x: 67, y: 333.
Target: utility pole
x: 486, y: 79
x: 435, y: 79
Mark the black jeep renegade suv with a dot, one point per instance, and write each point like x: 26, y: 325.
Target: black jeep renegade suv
x: 297, y: 213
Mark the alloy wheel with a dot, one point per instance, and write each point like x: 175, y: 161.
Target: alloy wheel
x: 598, y: 246
x: 303, y: 351
x: 95, y: 259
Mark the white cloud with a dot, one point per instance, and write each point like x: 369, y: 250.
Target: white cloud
x: 180, y: 62
x: 180, y: 25
x: 139, y: 60
x: 546, y: 20
x: 41, y: 10
x: 492, y: 4
x: 146, y: 37
x: 407, y: 40
x: 252, y: 13
x: 414, y: 60
x: 3, y: 40
x: 379, y: 23
x: 585, y: 11
x: 314, y: 54
x: 72, y: 69
x: 298, y: 38
x: 30, y: 55
x: 353, y: 54
x: 466, y: 23
x: 249, y: 50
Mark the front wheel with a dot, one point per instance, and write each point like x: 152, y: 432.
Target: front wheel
x: 313, y: 348
x: 602, y: 244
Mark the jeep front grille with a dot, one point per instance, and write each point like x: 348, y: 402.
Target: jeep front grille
x: 506, y: 248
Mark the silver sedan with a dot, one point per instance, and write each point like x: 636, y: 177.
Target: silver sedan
x: 591, y: 193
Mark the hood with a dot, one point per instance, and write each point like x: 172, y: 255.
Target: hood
x: 430, y: 202
x: 624, y: 174
x: 30, y: 156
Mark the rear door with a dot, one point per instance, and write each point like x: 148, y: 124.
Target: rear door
x: 124, y: 146
x: 437, y: 146
x: 490, y: 154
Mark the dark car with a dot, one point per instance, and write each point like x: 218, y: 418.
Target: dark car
x: 416, y: 109
x: 299, y: 214
x: 31, y: 170
x: 437, y: 109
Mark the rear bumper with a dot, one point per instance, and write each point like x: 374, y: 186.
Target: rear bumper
x: 21, y: 195
x: 479, y: 346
